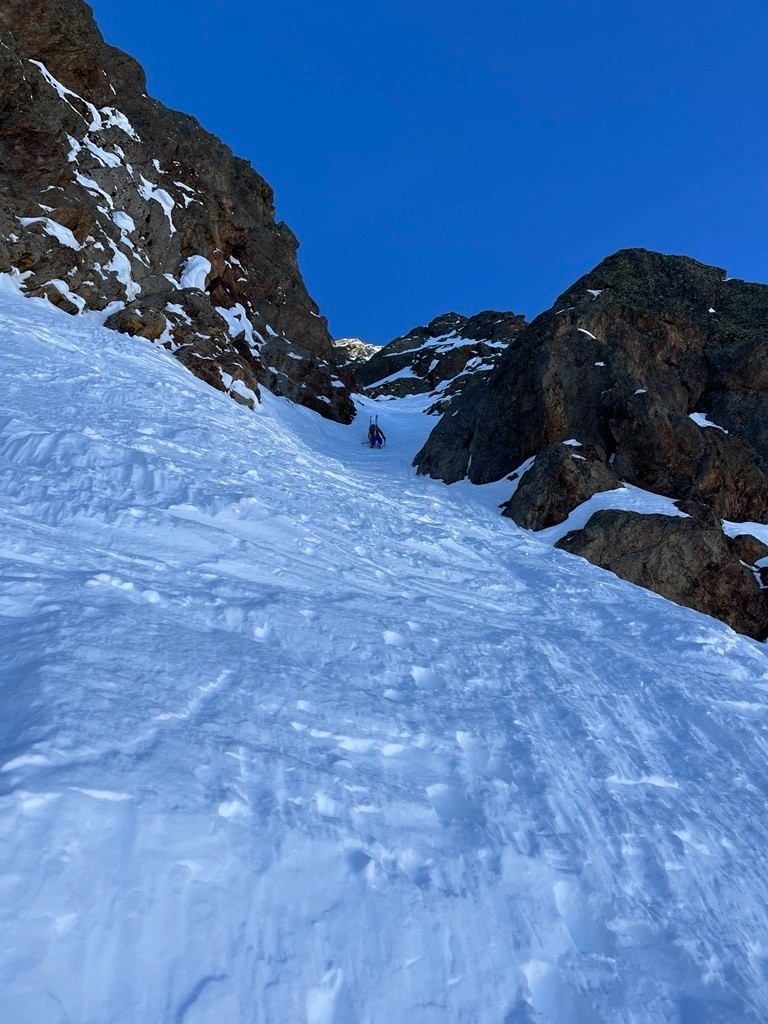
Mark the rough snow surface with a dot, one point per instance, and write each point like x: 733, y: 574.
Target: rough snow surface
x: 290, y: 735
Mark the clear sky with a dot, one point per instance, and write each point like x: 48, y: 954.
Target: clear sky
x: 436, y: 155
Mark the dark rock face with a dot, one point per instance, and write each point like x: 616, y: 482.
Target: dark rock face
x: 660, y: 363
x: 106, y: 196
x: 440, y: 359
x: 560, y: 479
x: 749, y: 549
x: 665, y: 451
x: 638, y: 325
x: 682, y: 559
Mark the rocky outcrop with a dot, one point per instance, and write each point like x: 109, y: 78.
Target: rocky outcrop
x: 660, y: 448
x: 682, y: 559
x: 749, y: 549
x: 352, y: 353
x: 657, y: 366
x: 640, y: 324
x: 440, y: 359
x: 110, y: 201
x: 560, y: 479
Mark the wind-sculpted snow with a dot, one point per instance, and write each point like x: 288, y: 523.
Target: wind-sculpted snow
x: 293, y: 736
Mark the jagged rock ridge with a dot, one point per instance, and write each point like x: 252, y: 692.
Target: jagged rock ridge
x: 657, y: 366
x: 440, y: 359
x: 351, y: 353
x: 110, y: 201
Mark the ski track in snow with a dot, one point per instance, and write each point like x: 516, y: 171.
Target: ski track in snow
x: 294, y: 736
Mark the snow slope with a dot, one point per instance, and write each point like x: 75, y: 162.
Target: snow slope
x: 292, y: 736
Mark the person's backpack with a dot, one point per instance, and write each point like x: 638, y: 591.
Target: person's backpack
x: 376, y: 435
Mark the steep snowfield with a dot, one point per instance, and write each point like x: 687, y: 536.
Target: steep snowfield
x: 291, y: 736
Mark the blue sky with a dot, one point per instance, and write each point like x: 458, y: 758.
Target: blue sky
x: 436, y: 156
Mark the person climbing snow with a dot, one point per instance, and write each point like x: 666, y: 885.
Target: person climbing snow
x: 376, y: 436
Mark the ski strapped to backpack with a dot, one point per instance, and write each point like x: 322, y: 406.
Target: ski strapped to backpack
x: 376, y: 436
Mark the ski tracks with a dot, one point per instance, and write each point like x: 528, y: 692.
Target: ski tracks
x: 331, y: 744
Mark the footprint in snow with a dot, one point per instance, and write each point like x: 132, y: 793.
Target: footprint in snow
x: 233, y: 808
x: 475, y: 751
x: 555, y: 998
x: 358, y: 860
x: 585, y: 915
x: 425, y: 678
x: 327, y: 807
x: 393, y: 639
x: 329, y: 1003
x: 481, y: 760
x: 450, y: 804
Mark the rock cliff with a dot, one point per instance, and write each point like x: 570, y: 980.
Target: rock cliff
x: 654, y: 365
x: 440, y: 359
x: 110, y: 201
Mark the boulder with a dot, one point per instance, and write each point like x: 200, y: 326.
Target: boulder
x: 682, y: 559
x: 749, y: 549
x: 732, y: 478
x: 657, y: 447
x: 700, y: 511
x: 560, y: 479
x: 138, y: 322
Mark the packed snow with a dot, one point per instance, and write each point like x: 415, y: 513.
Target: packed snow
x: 54, y: 229
x: 702, y: 420
x: 149, y: 191
x: 240, y: 326
x: 293, y: 736
x: 93, y: 187
x: 194, y: 273
x: 124, y: 221
x: 120, y: 266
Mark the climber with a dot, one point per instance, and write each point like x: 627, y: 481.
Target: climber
x: 376, y: 436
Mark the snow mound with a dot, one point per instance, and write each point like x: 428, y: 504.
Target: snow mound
x: 194, y: 272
